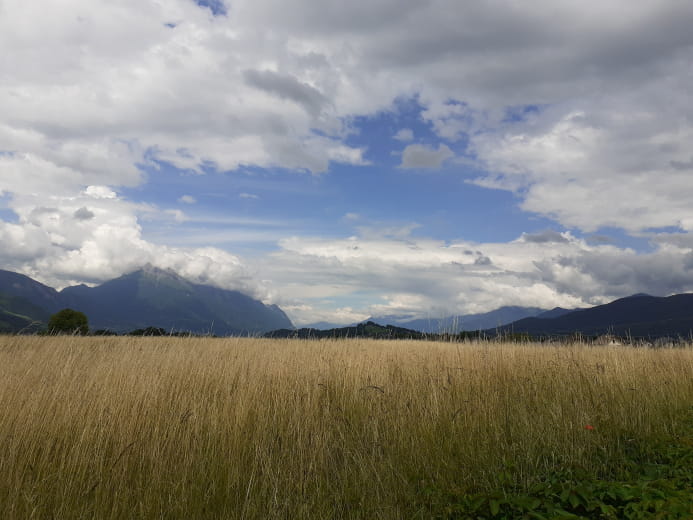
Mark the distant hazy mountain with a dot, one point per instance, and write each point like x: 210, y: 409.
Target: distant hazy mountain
x: 148, y: 297
x: 468, y: 322
x: 323, y: 325
x: 640, y: 315
x: 555, y: 312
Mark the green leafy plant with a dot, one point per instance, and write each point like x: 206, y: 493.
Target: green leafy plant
x: 660, y: 485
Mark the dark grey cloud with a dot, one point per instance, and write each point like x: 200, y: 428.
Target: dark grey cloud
x: 84, y: 213
x: 615, y: 273
x: 43, y: 210
x: 287, y: 87
x: 417, y: 156
x: 682, y: 165
x: 680, y: 240
x: 599, y: 239
x: 688, y: 262
x: 39, y: 214
x: 545, y: 237
x: 336, y: 18
x: 544, y: 52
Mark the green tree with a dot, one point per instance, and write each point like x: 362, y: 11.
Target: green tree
x: 68, y: 321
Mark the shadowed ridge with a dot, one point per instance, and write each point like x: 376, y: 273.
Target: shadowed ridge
x: 639, y: 315
x: 147, y: 297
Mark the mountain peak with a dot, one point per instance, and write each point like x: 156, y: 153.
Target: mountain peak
x: 152, y: 270
x: 150, y: 274
x: 149, y: 296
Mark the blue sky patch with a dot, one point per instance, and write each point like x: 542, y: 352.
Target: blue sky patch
x: 217, y: 7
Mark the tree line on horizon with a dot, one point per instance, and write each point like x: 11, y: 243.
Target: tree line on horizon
x: 71, y: 322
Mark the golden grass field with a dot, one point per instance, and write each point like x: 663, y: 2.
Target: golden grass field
x: 186, y: 428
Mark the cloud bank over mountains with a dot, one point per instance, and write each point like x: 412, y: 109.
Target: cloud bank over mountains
x: 580, y: 109
x: 427, y: 278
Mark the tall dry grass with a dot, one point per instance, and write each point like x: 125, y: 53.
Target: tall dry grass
x: 247, y: 428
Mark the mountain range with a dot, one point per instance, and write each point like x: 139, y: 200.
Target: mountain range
x: 152, y: 297
x: 483, y: 321
x: 637, y: 316
x: 640, y: 315
x: 149, y: 297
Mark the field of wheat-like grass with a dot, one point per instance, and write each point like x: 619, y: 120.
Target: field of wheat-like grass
x: 177, y: 428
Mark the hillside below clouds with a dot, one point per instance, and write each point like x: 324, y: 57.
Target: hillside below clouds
x: 468, y: 322
x: 152, y: 297
x: 640, y: 316
x: 148, y: 297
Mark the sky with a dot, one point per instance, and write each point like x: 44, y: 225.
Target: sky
x: 343, y: 160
